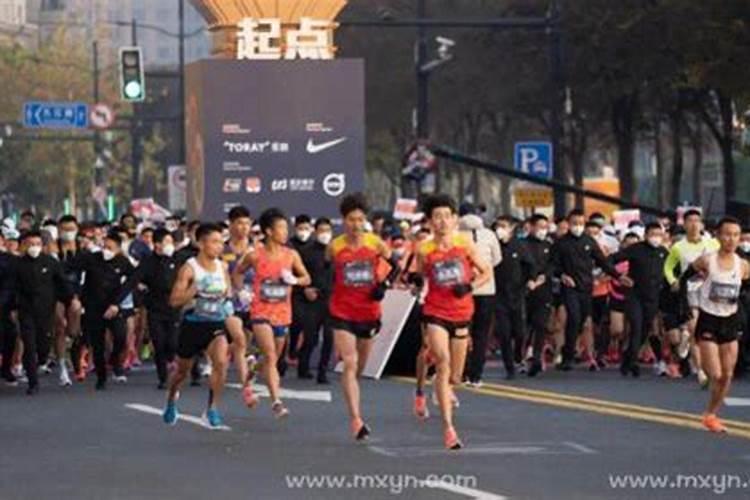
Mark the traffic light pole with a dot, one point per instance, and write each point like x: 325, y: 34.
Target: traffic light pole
x: 182, y: 82
x: 135, y: 134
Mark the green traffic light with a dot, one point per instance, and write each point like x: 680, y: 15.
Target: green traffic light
x: 133, y: 90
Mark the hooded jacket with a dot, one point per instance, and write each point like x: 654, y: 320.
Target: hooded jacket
x: 487, y: 246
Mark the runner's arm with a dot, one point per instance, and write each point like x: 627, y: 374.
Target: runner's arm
x: 485, y: 272
x: 672, y: 260
x: 300, y: 271
x: 184, y: 290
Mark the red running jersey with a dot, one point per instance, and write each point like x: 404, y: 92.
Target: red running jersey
x: 443, y: 269
x: 355, y: 277
x: 272, y: 299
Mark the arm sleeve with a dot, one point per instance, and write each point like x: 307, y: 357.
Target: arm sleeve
x: 672, y: 260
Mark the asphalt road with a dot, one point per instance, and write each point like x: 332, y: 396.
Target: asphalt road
x: 559, y: 436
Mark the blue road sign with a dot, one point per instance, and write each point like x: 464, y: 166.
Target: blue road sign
x: 534, y: 158
x: 55, y: 115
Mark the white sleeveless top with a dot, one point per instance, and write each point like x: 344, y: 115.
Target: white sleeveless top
x: 209, y: 303
x: 720, y: 293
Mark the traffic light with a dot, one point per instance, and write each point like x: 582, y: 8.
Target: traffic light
x: 132, y: 82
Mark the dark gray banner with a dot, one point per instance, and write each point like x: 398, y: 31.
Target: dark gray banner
x: 286, y: 134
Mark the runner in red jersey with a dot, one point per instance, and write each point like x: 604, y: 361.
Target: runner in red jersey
x: 277, y: 268
x: 452, y: 269
x: 355, y: 301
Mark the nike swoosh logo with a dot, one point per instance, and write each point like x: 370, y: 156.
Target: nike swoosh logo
x: 313, y: 148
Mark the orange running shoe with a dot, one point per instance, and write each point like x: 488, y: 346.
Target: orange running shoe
x: 451, y: 440
x: 360, y: 430
x: 420, y: 407
x: 712, y: 423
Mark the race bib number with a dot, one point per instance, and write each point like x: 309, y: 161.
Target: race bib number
x: 448, y: 273
x: 210, y: 308
x: 724, y: 293
x: 359, y: 274
x: 694, y: 284
x: 273, y: 291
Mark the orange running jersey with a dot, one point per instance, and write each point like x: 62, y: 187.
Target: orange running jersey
x: 272, y: 298
x: 356, y: 272
x: 443, y: 269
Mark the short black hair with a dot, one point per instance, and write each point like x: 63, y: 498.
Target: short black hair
x: 728, y: 219
x: 631, y: 235
x: 302, y: 219
x: 160, y: 234
x: 352, y: 202
x: 746, y: 230
x: 269, y: 218
x: 438, y: 201
x: 239, y: 212
x: 49, y: 222
x: 505, y: 218
x: 25, y: 235
x: 147, y: 230
x: 128, y: 215
x: 192, y: 225
x: 28, y: 213
x: 692, y: 212
x: 206, y: 229
x: 653, y: 225
x: 591, y: 223
x: 538, y: 217
x: 577, y: 212
x: 322, y: 221
x: 114, y: 236
x: 67, y: 218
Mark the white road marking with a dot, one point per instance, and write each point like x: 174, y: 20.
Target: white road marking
x: 737, y: 401
x: 463, y: 490
x: 262, y: 391
x: 185, y: 418
x: 580, y: 447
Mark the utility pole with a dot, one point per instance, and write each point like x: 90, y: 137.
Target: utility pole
x: 136, y: 154
x: 556, y: 99
x: 423, y: 85
x: 182, y: 82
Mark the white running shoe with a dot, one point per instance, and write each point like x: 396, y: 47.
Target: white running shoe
x: 45, y: 369
x: 206, y: 370
x: 660, y: 369
x: 65, y: 378
x: 120, y: 379
x: 683, y: 348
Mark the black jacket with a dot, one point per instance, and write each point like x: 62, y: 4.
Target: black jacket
x: 541, y: 253
x: 313, y: 256
x: 512, y: 273
x: 7, y: 278
x: 185, y: 254
x: 158, y: 273
x: 104, y: 279
x: 646, y: 269
x: 38, y: 285
x: 576, y: 257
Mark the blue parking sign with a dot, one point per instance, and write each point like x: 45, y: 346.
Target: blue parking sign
x: 534, y: 158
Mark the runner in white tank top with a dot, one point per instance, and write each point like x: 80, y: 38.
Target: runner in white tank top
x: 717, y: 329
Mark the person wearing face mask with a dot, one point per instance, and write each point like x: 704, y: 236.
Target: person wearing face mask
x: 158, y: 272
x: 38, y: 284
x: 743, y: 359
x: 8, y: 327
x: 516, y: 273
x: 106, y: 272
x: 573, y: 257
x: 310, y: 303
x: 302, y: 238
x: 645, y: 269
x: 539, y: 298
x: 488, y: 249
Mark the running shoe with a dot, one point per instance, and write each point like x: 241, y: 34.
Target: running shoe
x: 702, y: 379
x: 712, y: 423
x: 673, y: 370
x: 420, y: 407
x: 80, y: 375
x: 279, y: 410
x: 451, y: 439
x: 45, y: 369
x: 65, y: 379
x: 213, y: 418
x: 170, y: 413
x: 360, y: 430
x: 249, y: 397
x: 660, y: 369
x: 120, y: 379
x: 535, y: 369
x: 10, y: 380
x: 683, y: 348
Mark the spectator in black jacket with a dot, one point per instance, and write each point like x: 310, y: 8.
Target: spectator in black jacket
x: 39, y: 284
x: 158, y: 272
x: 646, y: 270
x: 302, y: 238
x: 8, y: 329
x: 512, y: 276
x: 539, y: 298
x: 106, y: 272
x: 573, y: 258
x: 310, y: 307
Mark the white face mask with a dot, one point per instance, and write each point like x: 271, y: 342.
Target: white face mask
x: 745, y: 246
x: 68, y: 236
x: 325, y: 238
x: 171, y: 226
x: 303, y: 235
x: 542, y: 234
x: 502, y: 234
x: 577, y: 231
x: 108, y: 254
x: 167, y: 250
x: 34, y: 251
x: 655, y: 241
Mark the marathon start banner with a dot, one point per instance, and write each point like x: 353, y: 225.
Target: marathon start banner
x: 286, y: 134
